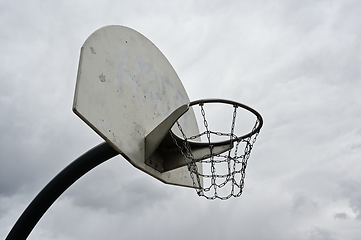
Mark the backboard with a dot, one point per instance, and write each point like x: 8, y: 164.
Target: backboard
x: 129, y: 93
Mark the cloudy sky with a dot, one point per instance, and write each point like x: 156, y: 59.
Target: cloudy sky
x: 296, y: 62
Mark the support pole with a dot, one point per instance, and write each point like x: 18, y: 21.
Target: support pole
x: 57, y: 186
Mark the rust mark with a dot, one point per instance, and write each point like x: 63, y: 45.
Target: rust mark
x: 102, y: 77
x: 92, y: 50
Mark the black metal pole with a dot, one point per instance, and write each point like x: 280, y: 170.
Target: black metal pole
x: 57, y: 186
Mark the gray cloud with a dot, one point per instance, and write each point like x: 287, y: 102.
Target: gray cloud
x: 302, y: 203
x: 118, y: 196
x: 350, y: 190
x: 340, y: 215
x: 318, y: 233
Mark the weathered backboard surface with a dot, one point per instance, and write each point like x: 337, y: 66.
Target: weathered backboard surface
x: 125, y: 88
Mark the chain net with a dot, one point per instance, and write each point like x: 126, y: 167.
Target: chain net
x: 221, y: 175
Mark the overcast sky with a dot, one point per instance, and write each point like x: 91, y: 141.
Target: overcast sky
x: 296, y: 62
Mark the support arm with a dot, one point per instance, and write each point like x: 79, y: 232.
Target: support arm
x: 57, y: 186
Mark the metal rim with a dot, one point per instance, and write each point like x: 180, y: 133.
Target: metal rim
x: 229, y: 102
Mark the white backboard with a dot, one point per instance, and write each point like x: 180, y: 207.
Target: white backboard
x: 125, y: 88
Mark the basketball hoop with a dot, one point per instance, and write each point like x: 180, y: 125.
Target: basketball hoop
x: 143, y: 111
x: 224, y: 164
